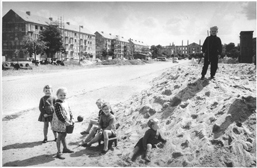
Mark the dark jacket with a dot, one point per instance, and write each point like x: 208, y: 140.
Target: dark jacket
x: 151, y: 137
x: 212, y: 46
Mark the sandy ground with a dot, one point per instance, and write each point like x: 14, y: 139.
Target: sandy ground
x: 206, y: 122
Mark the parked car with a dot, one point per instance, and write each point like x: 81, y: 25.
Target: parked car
x: 161, y: 59
x: 6, y: 66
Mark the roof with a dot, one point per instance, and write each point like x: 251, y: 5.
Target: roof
x: 138, y: 42
x: 45, y: 21
x: 32, y: 18
x: 76, y: 28
x: 105, y: 35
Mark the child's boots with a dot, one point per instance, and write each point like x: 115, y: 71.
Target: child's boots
x: 147, y: 156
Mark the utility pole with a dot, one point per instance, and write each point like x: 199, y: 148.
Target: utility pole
x: 79, y: 42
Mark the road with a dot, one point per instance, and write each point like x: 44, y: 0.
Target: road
x: 24, y: 92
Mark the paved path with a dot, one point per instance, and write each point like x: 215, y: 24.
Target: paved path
x: 23, y: 93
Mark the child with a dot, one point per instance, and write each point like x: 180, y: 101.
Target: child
x: 62, y: 118
x: 107, y: 128
x: 92, y: 122
x: 46, y: 107
x: 151, y: 138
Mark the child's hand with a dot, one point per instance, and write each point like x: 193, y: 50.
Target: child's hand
x: 45, y: 115
x: 160, y: 145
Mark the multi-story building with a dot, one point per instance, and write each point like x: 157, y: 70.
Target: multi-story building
x: 17, y: 24
x: 78, y: 41
x: 192, y: 48
x: 120, y: 46
x: 103, y: 41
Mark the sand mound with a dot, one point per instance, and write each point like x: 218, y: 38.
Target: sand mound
x: 207, y: 123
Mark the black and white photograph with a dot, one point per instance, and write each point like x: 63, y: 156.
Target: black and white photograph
x: 128, y: 83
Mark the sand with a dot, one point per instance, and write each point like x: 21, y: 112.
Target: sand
x: 207, y: 123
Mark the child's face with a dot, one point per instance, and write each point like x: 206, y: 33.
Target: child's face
x: 155, y: 126
x: 214, y: 32
x: 106, y: 110
x: 48, y: 92
x: 99, y: 105
x: 62, y: 95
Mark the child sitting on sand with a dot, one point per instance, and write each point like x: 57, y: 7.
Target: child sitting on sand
x: 92, y: 122
x: 151, y: 138
x: 46, y: 107
x: 62, y: 117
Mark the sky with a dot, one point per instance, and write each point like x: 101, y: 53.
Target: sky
x: 152, y: 22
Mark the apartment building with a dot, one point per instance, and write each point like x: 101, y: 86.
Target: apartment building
x: 76, y: 39
x: 103, y: 41
x: 187, y: 49
x: 120, y: 46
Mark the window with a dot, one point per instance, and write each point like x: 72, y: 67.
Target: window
x: 75, y: 34
x: 36, y: 27
x: 41, y: 28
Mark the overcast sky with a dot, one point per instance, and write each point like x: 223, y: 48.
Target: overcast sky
x: 151, y: 22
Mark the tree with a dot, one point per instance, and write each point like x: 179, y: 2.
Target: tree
x: 229, y: 47
x: 51, y: 35
x: 110, y: 52
x: 156, y: 50
x: 104, y: 53
x: 33, y: 46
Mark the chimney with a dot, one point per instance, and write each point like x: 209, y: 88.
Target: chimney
x: 182, y: 43
x: 68, y: 23
x: 51, y: 19
x: 110, y: 34
x: 28, y: 13
x: 102, y: 32
x: 199, y: 42
x: 187, y: 42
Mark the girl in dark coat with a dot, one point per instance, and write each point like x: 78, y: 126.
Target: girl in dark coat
x: 46, y: 107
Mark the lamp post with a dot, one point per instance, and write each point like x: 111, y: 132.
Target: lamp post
x: 79, y: 42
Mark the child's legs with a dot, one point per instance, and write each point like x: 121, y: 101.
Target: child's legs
x: 135, y: 153
x: 58, y: 142
x: 55, y: 133
x: 64, y: 141
x: 106, y: 134
x: 96, y: 138
x: 91, y: 134
x: 46, y: 125
x: 91, y: 122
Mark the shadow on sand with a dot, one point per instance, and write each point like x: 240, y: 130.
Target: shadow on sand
x: 93, y: 151
x: 37, y: 160
x: 191, y: 90
x: 22, y: 145
x: 239, y: 112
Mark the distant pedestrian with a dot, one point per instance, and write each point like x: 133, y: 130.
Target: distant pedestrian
x: 212, y: 48
x: 62, y: 118
x: 46, y: 107
x: 150, y: 140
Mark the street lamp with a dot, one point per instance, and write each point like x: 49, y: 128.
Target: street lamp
x: 79, y: 42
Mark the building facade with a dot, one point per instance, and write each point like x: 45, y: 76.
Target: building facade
x: 192, y: 48
x: 118, y: 45
x: 76, y: 39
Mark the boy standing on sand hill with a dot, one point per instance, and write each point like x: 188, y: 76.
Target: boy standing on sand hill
x: 211, y: 49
